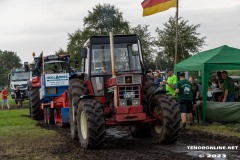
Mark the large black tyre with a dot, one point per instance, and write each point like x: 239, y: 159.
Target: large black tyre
x: 77, y: 87
x: 167, y: 130
x: 36, y: 112
x: 90, y: 123
x: 148, y: 90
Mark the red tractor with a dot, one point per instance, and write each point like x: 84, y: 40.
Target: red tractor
x: 114, y: 90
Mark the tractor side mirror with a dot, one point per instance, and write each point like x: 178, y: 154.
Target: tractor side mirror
x: 84, y: 52
x: 133, y: 49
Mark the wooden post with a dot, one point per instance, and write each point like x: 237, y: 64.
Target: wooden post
x: 176, y: 39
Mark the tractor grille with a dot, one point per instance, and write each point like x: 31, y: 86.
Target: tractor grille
x: 135, y: 79
x: 129, y: 96
x: 51, y: 90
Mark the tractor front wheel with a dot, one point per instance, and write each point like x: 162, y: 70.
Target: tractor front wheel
x: 90, y: 123
x: 167, y: 127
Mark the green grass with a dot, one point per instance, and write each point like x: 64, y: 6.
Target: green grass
x: 225, y: 130
x: 17, y: 122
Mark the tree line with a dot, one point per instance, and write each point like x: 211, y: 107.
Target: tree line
x: 158, y: 51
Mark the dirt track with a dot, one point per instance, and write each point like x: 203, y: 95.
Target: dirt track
x: 120, y: 145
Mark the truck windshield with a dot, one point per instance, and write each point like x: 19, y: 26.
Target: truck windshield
x: 125, y: 59
x: 20, y: 76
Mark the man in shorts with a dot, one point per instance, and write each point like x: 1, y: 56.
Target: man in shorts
x: 4, y: 97
x: 185, y: 97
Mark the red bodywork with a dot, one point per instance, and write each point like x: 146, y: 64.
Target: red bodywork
x: 36, y: 81
x: 61, y: 101
x: 123, y: 115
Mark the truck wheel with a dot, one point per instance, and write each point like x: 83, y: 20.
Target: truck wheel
x: 148, y: 90
x: 36, y: 112
x: 167, y: 129
x: 77, y: 88
x: 90, y: 123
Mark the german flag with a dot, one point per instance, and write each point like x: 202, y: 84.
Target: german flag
x: 154, y: 6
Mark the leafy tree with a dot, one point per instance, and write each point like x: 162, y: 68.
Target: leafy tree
x: 189, y: 40
x: 105, y: 17
x: 60, y: 52
x: 97, y: 22
x: 9, y: 60
x: 146, y: 42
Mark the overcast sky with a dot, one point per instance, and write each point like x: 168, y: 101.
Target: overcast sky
x: 43, y: 25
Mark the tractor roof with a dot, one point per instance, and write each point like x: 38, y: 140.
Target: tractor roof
x: 104, y: 39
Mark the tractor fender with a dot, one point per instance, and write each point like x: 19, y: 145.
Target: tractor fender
x: 85, y: 97
x: 157, y: 92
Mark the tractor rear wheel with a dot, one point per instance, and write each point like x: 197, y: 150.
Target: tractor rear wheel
x: 167, y: 129
x: 36, y: 112
x: 148, y: 90
x: 90, y: 123
x: 77, y: 88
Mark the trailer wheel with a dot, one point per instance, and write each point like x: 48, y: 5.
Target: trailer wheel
x: 45, y: 115
x: 77, y: 88
x: 90, y: 123
x: 50, y: 115
x: 36, y: 112
x: 148, y: 90
x: 167, y: 128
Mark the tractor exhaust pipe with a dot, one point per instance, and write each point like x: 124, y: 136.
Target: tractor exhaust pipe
x: 112, y: 54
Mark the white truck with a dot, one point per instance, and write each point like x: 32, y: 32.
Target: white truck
x: 19, y: 77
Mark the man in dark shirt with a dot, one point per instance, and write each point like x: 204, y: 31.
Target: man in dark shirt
x: 185, y: 97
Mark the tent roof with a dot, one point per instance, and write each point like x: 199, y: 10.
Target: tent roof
x: 223, y: 55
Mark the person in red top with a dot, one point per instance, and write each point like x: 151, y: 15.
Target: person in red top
x: 4, y: 97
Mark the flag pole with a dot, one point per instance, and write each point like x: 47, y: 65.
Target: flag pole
x: 176, y: 39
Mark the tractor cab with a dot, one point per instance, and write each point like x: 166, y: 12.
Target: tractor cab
x: 117, y: 84
x: 53, y: 76
x: 97, y: 63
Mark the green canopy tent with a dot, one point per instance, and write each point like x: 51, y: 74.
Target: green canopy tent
x: 221, y: 58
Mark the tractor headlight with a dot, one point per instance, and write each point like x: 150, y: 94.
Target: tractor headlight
x: 122, y: 103
x: 135, y: 102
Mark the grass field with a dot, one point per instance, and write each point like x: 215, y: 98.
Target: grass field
x: 225, y: 130
x: 17, y: 122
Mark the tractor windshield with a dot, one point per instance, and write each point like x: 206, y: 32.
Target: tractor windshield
x: 55, y: 67
x: 126, y: 59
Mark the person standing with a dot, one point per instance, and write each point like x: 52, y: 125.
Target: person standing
x: 171, y: 81
x: 18, y: 97
x: 185, y: 97
x: 157, y: 79
x: 228, y: 88
x: 195, y: 90
x: 4, y: 97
